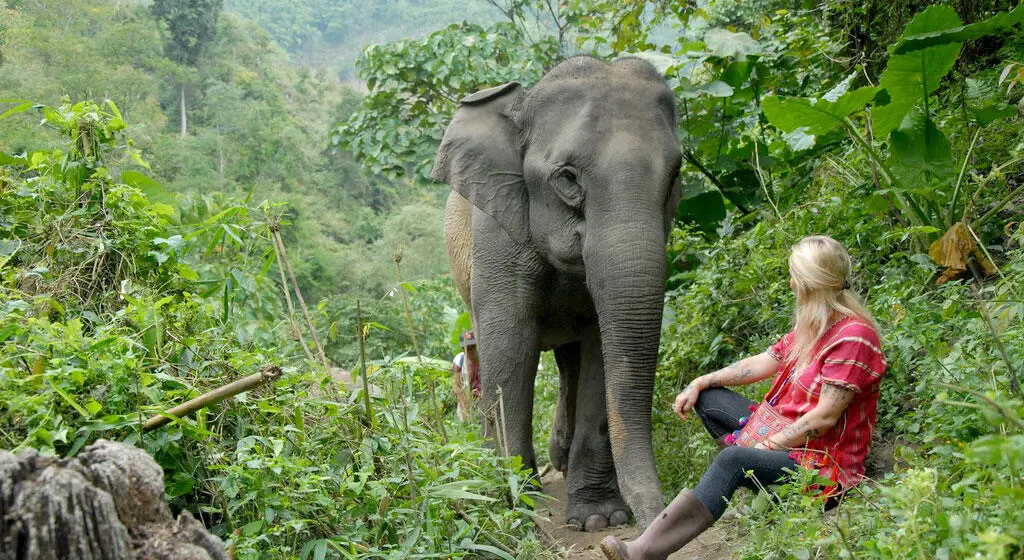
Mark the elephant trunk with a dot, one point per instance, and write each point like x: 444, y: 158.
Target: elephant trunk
x: 627, y: 283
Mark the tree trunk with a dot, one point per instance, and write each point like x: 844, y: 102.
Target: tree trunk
x: 184, y: 121
x: 220, y: 154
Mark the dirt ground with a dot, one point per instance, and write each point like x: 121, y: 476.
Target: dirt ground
x: 713, y: 544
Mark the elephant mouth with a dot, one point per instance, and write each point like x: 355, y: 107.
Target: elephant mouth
x: 567, y: 254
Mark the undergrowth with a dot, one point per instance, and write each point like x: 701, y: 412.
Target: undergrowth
x: 949, y: 414
x: 120, y: 300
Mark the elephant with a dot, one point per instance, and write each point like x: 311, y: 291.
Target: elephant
x: 562, y: 197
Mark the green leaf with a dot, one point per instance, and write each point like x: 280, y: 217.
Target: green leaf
x: 995, y: 24
x: 187, y: 273
x: 813, y: 115
x: 725, y: 43
x: 251, y: 528
x: 716, y: 88
x: 737, y: 73
x: 68, y: 398
x: 455, y: 491
x: 116, y: 122
x: 911, y: 77
x: 707, y: 210
x: 920, y: 151
x: 21, y: 107
x: 6, y: 159
x: 798, y: 140
x: 320, y: 550
x: 487, y: 548
x: 154, y: 191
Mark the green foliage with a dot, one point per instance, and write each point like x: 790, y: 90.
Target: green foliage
x: 991, y: 26
x: 415, y: 86
x: 116, y: 306
x: 127, y: 287
x: 330, y: 33
x: 917, y: 176
x: 912, y: 77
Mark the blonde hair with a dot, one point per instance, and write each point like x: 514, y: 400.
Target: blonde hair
x: 820, y: 269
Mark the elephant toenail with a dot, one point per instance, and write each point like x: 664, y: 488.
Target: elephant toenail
x: 618, y: 517
x: 596, y: 522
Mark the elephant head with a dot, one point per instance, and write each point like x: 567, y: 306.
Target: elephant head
x: 582, y: 169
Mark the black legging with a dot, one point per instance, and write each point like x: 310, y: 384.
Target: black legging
x: 720, y: 409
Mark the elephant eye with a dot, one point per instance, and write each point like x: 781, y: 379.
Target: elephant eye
x: 565, y: 181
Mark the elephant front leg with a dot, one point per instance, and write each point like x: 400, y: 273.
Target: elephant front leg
x: 508, y: 366
x: 594, y: 499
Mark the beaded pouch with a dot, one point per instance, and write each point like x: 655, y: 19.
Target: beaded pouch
x: 764, y: 422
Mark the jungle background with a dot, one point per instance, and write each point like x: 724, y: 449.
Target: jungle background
x: 175, y: 173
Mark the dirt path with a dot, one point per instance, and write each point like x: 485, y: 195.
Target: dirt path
x: 713, y: 544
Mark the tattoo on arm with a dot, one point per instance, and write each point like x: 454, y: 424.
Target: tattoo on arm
x: 841, y: 395
x: 837, y: 397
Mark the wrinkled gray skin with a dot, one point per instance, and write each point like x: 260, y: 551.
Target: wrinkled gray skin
x: 562, y: 198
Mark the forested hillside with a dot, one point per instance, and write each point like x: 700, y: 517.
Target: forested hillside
x: 182, y: 208
x: 329, y: 34
x: 255, y: 122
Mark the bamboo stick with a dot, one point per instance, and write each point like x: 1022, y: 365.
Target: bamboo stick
x: 419, y: 355
x: 275, y: 231
x: 361, y: 333
x: 274, y: 226
x: 266, y: 373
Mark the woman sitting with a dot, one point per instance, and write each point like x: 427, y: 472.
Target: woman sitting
x: 819, y: 412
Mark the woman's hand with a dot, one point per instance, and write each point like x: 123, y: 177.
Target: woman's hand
x: 686, y: 400
x: 743, y: 372
x: 831, y: 406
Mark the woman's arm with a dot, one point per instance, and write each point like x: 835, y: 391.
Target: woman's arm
x: 743, y: 372
x: 831, y: 405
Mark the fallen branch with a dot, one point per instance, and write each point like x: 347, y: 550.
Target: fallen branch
x: 266, y: 373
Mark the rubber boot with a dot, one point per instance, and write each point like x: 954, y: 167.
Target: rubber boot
x: 680, y: 522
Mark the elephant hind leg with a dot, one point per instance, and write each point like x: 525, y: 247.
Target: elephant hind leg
x: 458, y: 239
x: 567, y: 357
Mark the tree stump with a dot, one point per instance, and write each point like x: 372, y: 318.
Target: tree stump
x: 105, y: 504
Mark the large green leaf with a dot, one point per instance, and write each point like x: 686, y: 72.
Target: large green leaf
x: 6, y: 159
x: 920, y: 151
x: 706, y: 210
x: 995, y: 24
x: 724, y: 43
x: 20, y: 107
x: 154, y: 191
x: 911, y: 77
x: 816, y: 116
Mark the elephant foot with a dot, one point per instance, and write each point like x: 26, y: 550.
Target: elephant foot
x: 596, y: 516
x: 648, y: 505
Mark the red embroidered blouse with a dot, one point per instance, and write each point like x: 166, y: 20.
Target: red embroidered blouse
x: 848, y: 355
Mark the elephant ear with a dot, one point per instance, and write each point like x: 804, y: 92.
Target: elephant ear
x: 480, y: 158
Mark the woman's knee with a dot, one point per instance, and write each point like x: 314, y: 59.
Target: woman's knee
x: 709, y: 398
